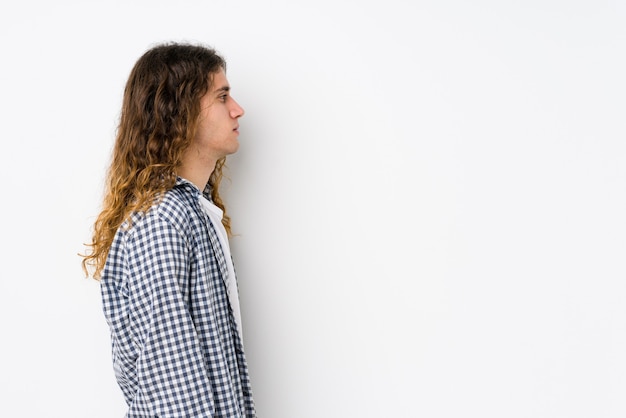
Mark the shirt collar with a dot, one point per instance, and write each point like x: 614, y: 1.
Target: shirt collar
x: 182, y: 182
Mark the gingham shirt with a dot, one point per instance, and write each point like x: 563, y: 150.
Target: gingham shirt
x: 176, y: 349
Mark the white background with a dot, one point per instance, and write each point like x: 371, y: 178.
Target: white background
x: 429, y: 199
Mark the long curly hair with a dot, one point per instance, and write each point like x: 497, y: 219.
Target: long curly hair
x: 158, y: 121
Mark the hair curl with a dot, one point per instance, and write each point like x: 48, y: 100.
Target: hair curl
x: 158, y: 121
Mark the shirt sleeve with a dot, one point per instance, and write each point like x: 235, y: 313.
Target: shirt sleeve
x: 170, y: 370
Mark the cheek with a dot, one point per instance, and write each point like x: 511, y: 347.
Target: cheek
x: 206, y: 131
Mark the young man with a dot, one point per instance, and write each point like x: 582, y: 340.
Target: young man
x: 160, y: 245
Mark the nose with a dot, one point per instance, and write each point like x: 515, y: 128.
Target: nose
x: 236, y: 111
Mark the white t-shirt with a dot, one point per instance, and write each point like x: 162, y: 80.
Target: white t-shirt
x: 216, y: 214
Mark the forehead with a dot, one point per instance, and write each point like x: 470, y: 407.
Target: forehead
x: 219, y: 82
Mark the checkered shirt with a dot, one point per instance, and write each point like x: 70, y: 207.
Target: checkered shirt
x: 175, y: 346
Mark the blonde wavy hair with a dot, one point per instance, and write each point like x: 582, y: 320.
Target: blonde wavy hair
x: 158, y: 121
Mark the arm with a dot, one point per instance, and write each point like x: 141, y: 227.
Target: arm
x: 171, y: 374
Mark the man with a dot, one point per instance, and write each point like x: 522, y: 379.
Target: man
x: 160, y: 245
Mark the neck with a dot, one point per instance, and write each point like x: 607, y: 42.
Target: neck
x: 198, y: 174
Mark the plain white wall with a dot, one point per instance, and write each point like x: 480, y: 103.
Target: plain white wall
x: 429, y: 197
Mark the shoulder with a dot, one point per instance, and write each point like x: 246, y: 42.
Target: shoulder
x: 178, y: 206
x: 177, y: 211
x: 170, y: 228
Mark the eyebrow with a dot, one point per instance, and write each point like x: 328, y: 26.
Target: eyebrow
x: 223, y: 89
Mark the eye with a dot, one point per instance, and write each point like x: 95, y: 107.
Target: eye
x: 223, y: 98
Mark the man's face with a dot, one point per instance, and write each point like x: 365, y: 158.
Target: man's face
x: 218, y: 124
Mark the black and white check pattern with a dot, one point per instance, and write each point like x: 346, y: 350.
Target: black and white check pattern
x: 176, y: 349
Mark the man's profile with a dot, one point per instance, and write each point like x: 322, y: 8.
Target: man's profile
x: 160, y: 244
